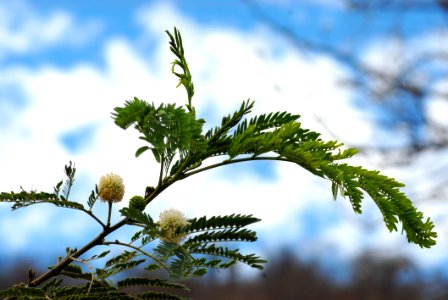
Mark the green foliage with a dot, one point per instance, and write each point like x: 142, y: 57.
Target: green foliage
x: 75, y: 272
x: 93, y: 198
x: 169, y: 129
x: 119, y: 267
x: 219, y: 222
x: 224, y: 236
x: 24, y: 199
x: 385, y: 191
x: 159, y: 296
x: 130, y: 282
x: 185, y: 77
x: 199, y: 252
x: 52, y: 290
x: 70, y: 172
x: 138, y: 216
x: 234, y: 255
x: 23, y: 292
x: 264, y: 122
x: 279, y: 136
x: 217, y: 138
x: 66, y: 293
x: 58, y: 197
x: 175, y: 137
x: 97, y: 292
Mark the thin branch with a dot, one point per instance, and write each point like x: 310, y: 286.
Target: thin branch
x: 109, y: 213
x: 90, y: 269
x: 117, y: 242
x: 94, y: 217
x: 162, y: 165
x: 62, y: 264
x: 228, y: 162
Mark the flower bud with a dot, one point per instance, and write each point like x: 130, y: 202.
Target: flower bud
x: 170, y: 222
x: 137, y: 202
x: 111, y: 188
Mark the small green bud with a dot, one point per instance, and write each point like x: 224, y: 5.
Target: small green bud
x: 137, y: 202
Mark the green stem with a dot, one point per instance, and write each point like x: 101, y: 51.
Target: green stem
x: 90, y: 269
x: 94, y: 217
x: 228, y: 162
x: 161, y: 263
x: 162, y: 165
x: 95, y: 242
x: 68, y: 260
x: 99, y: 240
x: 109, y: 213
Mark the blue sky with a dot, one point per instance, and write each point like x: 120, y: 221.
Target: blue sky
x: 66, y: 65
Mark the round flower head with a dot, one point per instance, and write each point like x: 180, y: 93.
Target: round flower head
x: 170, y: 221
x: 111, y: 188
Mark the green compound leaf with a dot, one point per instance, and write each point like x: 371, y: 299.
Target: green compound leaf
x: 169, y: 129
x: 219, y: 222
x: 101, y: 255
x: 159, y: 296
x: 266, y: 121
x: 278, y: 136
x: 141, y: 150
x: 133, y: 112
x: 74, y: 271
x: 70, y: 172
x: 123, y: 257
x: 52, y: 284
x: 226, y: 235
x: 138, y: 216
x: 182, y: 265
x: 165, y: 250
x: 177, y: 48
x: 139, y: 281
x: 95, y: 292
x: 22, y: 292
x: 152, y: 267
x: 200, y: 272
x: 118, y: 268
x: 234, y: 255
x: 93, y: 198
x: 24, y: 199
x: 228, y: 122
x: 394, y: 205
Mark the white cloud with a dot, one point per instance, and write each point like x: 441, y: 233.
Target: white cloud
x: 23, y: 30
x: 228, y: 67
x: 437, y: 106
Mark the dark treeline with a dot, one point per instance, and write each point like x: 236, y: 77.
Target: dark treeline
x: 372, y: 278
x: 287, y: 278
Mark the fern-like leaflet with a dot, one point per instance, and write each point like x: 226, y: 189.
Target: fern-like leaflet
x: 177, y: 48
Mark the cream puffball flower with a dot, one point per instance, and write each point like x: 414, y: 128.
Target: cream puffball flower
x: 170, y: 221
x: 111, y: 188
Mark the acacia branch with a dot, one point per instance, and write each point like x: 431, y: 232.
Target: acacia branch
x: 68, y: 260
x: 161, y: 263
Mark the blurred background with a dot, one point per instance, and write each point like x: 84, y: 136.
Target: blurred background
x: 372, y: 74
